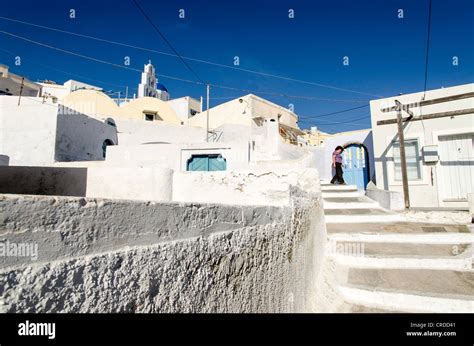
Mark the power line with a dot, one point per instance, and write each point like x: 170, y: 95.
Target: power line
x: 68, y: 73
x: 333, y: 113
x: 348, y: 121
x: 70, y: 52
x: 193, y: 59
x: 279, y: 94
x: 341, y: 123
x: 92, y: 58
x: 166, y: 40
x: 167, y: 76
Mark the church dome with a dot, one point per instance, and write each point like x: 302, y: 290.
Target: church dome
x: 161, y: 87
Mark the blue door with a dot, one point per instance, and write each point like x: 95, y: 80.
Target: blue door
x: 206, y: 163
x: 355, y: 166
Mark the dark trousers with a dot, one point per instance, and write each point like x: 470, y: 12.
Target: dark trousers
x: 338, y: 176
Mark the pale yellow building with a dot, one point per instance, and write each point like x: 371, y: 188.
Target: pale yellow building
x: 99, y: 105
x: 315, y: 137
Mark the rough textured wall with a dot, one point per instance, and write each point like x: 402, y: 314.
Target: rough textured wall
x: 255, y: 188
x: 123, y: 256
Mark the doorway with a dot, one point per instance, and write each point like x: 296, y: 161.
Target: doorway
x: 356, y: 165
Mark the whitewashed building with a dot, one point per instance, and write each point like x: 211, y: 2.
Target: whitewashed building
x: 439, y: 140
x: 38, y: 132
x: 185, y: 107
x: 59, y: 91
x: 149, y: 86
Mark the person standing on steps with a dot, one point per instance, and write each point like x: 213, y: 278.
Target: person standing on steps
x: 337, y: 164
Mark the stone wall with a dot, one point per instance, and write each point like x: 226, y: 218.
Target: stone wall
x: 127, y: 256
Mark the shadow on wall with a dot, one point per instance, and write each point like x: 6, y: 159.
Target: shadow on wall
x: 54, y: 181
x: 384, y: 159
x: 82, y: 138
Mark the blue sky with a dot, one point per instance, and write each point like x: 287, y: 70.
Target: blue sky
x: 386, y: 53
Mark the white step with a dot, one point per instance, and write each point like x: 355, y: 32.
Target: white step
x: 429, y: 238
x: 342, y: 194
x: 362, y: 218
x: 351, y: 205
x: 404, y: 302
x: 441, y: 263
x: 339, y: 187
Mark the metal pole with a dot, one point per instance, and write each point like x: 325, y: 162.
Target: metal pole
x: 21, y: 89
x: 207, y: 114
x: 403, y: 161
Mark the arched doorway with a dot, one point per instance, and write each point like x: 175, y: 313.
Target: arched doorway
x: 105, y: 144
x: 356, y: 165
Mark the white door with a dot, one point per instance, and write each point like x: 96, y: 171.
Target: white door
x: 456, y: 158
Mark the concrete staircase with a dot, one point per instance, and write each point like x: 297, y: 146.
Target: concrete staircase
x: 378, y: 262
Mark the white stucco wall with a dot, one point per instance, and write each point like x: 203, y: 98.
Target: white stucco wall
x: 257, y: 188
x: 262, y: 144
x: 131, y: 183
x: 80, y: 138
x: 134, y: 132
x: 28, y: 131
x: 176, y: 156
x: 183, y: 106
x: 38, y: 133
x: 55, y: 90
x: 175, y: 257
x: 423, y: 192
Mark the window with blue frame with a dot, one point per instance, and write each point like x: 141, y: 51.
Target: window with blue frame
x: 206, y: 163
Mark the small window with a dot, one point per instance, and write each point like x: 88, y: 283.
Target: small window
x: 193, y: 112
x: 149, y: 117
x: 412, y: 157
x: 207, y: 163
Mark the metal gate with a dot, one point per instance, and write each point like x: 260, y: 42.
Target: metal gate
x: 355, y: 165
x: 456, y: 158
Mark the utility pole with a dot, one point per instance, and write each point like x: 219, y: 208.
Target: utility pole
x: 403, y: 160
x: 21, y: 89
x: 399, y: 107
x: 207, y: 113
